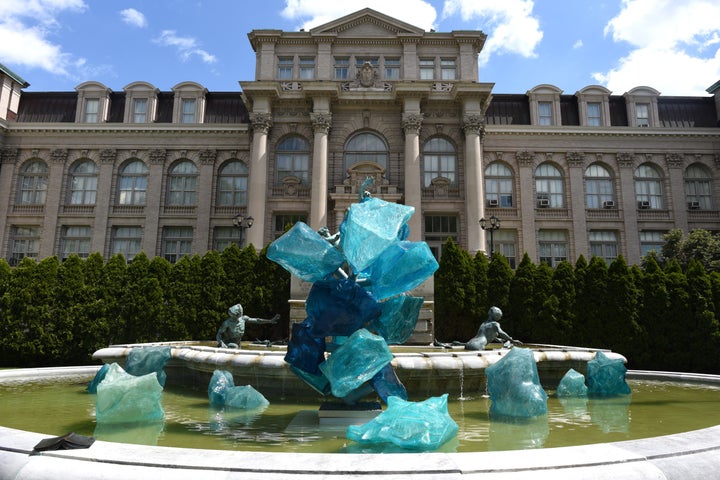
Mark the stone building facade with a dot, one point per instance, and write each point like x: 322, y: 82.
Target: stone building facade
x: 366, y: 95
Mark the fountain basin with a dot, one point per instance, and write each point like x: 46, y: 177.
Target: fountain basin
x: 424, y: 371
x: 687, y: 455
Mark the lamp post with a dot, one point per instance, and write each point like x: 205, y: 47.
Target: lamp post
x: 491, y: 226
x: 242, y: 223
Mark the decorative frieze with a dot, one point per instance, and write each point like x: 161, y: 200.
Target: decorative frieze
x: 442, y: 87
x: 291, y: 86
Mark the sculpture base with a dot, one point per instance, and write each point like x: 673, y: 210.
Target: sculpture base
x: 338, y: 413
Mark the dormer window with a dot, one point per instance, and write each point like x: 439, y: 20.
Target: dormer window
x: 140, y: 110
x: 642, y: 114
x: 92, y: 109
x: 189, y: 103
x: 593, y: 114
x: 140, y: 102
x: 544, y: 113
x: 188, y: 110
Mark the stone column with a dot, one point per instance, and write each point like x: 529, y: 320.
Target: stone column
x: 474, y: 128
x: 153, y: 201
x: 411, y: 123
x: 528, y: 231
x: 319, y: 194
x: 257, y: 187
x: 626, y: 164
x: 576, y: 197
x: 202, y: 234
x: 103, y: 199
x: 53, y: 201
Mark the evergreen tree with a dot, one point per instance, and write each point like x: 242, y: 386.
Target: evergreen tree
x: 561, y: 330
x: 542, y: 325
x: 621, y: 322
x: 114, y: 281
x: 271, y: 297
x: 71, y: 297
x: 212, y: 309
x: 670, y: 342
x: 703, y: 331
x: 182, y: 298
x: 519, y: 319
x: 142, y: 302
x: 454, y: 295
x: 93, y: 331
x: 592, y: 305
x: 652, y: 311
x: 480, y: 271
x: 499, y: 277
x: 239, y: 268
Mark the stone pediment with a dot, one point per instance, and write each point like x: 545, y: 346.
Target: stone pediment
x: 366, y: 23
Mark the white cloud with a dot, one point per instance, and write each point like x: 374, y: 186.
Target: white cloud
x: 674, y: 46
x: 509, y: 24
x: 312, y: 13
x: 26, y: 28
x: 186, y: 46
x: 578, y: 44
x: 133, y: 18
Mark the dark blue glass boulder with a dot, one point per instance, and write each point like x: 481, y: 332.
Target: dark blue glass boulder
x: 305, y: 351
x: 387, y: 384
x: 401, y: 267
x: 339, y: 308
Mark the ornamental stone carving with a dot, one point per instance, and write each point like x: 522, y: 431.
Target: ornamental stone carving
x: 441, y: 87
x: 575, y: 159
x: 261, y: 122
x: 108, y: 155
x: 208, y: 156
x: 8, y: 155
x: 675, y: 160
x: 411, y: 122
x: 321, y: 121
x: 157, y: 156
x: 625, y: 159
x: 59, y: 155
x: 525, y: 159
x: 474, y: 123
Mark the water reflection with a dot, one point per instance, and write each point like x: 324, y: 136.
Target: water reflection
x: 141, y: 433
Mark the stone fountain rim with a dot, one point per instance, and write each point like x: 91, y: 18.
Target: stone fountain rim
x: 688, y: 455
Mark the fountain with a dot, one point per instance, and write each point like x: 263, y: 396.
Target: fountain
x: 430, y: 371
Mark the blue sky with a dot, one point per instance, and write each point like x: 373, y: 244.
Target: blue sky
x: 670, y: 45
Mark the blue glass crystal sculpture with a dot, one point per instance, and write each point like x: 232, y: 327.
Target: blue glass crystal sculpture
x: 572, y: 385
x: 606, y: 377
x: 514, y: 386
x: 305, y: 254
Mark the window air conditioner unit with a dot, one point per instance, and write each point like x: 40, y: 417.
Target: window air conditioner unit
x: 644, y: 205
x: 609, y: 204
x: 543, y: 202
x: 492, y: 203
x: 693, y: 205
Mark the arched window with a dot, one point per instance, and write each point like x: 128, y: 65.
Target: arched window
x: 598, y: 187
x: 698, y: 187
x: 366, y: 147
x: 549, y: 186
x: 83, y: 183
x: 648, y: 186
x: 182, y: 184
x: 293, y: 159
x: 439, y: 160
x: 232, y: 184
x: 133, y: 183
x: 33, y: 183
x: 498, y: 185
